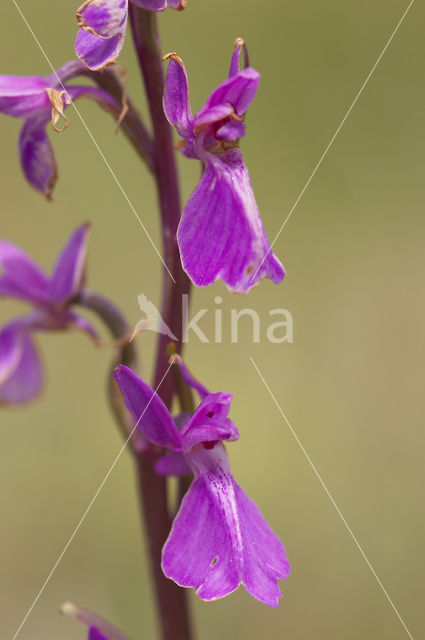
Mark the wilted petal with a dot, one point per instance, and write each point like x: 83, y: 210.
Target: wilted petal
x: 172, y: 464
x: 105, y: 18
x: 228, y: 541
x: 148, y: 410
x: 221, y: 234
x: 209, y: 423
x: 23, y: 96
x: 98, y: 53
x: 235, y: 63
x: 176, y: 97
x: 68, y: 274
x: 22, y: 278
x: 238, y: 90
x: 37, y: 156
x: 24, y: 379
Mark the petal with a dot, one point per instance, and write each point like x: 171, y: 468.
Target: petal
x: 219, y: 537
x: 172, y: 464
x: 22, y: 277
x: 191, y: 380
x: 98, y: 53
x: 23, y: 96
x: 176, y: 96
x: 37, y: 156
x: 68, y: 274
x: 209, y: 422
x: 199, y: 552
x: 221, y: 234
x: 238, y: 91
x: 240, y: 49
x: 148, y: 410
x: 264, y: 558
x: 11, y: 348
x: 97, y: 634
x: 231, y: 131
x: 25, y: 380
x: 105, y: 18
x: 73, y: 319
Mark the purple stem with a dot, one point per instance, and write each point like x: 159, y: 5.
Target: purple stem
x: 171, y: 600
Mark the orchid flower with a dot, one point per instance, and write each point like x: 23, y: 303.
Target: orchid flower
x: 221, y: 234
x: 21, y: 375
x: 219, y: 538
x: 102, y: 28
x: 38, y: 100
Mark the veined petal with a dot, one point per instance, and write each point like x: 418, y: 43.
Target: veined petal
x: 23, y: 96
x: 22, y: 277
x: 209, y: 423
x: 37, y: 156
x: 96, y: 52
x: 68, y: 274
x: 149, y: 412
x: 104, y: 18
x: 176, y: 96
x: 23, y: 380
x: 221, y: 234
x: 219, y: 538
x: 238, y: 90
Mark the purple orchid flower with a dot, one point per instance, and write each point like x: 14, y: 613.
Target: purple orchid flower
x: 102, y: 28
x: 38, y: 100
x: 221, y: 234
x: 21, y: 375
x: 219, y: 538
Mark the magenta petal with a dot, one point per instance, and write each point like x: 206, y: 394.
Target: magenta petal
x: 199, y: 552
x: 79, y: 322
x: 264, y: 560
x: 147, y: 409
x: 68, y: 274
x: 231, y: 131
x: 98, y: 53
x: 191, y: 380
x: 221, y: 234
x: 26, y: 380
x: 22, y: 278
x: 106, y: 18
x: 209, y: 422
x: 219, y: 537
x: 238, y: 90
x: 176, y: 98
x: 235, y: 65
x: 37, y: 156
x: 172, y: 464
x: 97, y: 634
x: 23, y: 96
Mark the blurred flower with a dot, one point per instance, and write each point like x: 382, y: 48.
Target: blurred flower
x: 21, y: 375
x: 38, y: 100
x: 102, y: 27
x: 221, y: 234
x: 219, y: 537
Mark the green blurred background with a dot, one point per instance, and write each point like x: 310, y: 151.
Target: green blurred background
x: 351, y: 383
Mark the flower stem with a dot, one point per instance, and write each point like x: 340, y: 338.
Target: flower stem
x: 171, y: 599
x: 119, y: 329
